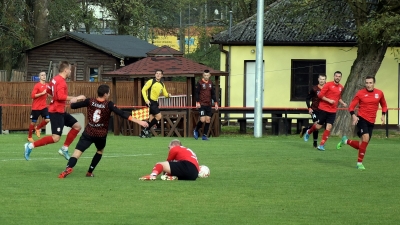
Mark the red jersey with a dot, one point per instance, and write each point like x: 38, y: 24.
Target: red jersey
x: 332, y: 91
x: 39, y: 103
x: 368, y: 103
x: 180, y: 153
x: 59, y: 91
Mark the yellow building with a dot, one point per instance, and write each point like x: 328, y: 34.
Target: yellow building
x: 291, y: 66
x: 173, y: 42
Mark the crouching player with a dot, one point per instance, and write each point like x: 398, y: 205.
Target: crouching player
x: 181, y: 164
x: 98, y: 113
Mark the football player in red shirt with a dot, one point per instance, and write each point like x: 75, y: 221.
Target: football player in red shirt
x: 98, y: 113
x: 205, y: 94
x: 181, y: 164
x: 39, y: 106
x: 58, y: 117
x: 368, y: 100
x: 330, y: 95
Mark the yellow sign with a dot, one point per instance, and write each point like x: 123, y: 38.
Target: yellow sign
x: 173, y: 42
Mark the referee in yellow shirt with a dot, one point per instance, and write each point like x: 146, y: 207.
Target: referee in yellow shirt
x: 150, y: 92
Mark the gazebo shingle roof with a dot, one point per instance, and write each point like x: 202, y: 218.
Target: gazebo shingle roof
x: 161, y: 58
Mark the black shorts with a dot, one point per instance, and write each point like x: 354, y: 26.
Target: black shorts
x: 364, y: 127
x: 59, y: 120
x: 326, y: 117
x: 184, y: 170
x: 154, y: 110
x: 44, y: 113
x: 85, y: 141
x: 205, y: 111
x: 314, y: 116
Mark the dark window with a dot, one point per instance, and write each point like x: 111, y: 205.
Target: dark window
x: 93, y: 74
x: 304, y: 75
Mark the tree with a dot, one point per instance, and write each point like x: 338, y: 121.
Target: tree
x: 67, y: 15
x: 14, y: 22
x: 375, y: 26
x: 41, y: 31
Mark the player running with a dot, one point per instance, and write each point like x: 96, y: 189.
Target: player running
x: 98, y: 113
x: 368, y: 100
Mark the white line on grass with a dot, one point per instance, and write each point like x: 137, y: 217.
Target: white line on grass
x: 85, y: 157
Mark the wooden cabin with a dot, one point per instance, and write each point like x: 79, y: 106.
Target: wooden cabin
x: 91, y: 55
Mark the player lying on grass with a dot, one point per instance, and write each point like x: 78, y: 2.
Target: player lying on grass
x: 181, y: 164
x: 98, y: 113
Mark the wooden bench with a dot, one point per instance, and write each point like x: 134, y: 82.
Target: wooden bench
x: 279, y: 125
x: 242, y: 121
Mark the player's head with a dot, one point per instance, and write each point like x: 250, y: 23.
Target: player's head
x: 42, y: 76
x: 159, y: 74
x: 174, y: 143
x: 206, y: 75
x: 321, y: 79
x: 370, y: 83
x: 65, y: 69
x: 103, y: 91
x: 337, y: 76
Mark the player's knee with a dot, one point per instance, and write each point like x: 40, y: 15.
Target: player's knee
x: 77, y: 126
x: 56, y: 138
x: 329, y: 126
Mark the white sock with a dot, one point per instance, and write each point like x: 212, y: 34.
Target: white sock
x: 359, y: 163
x: 64, y: 148
x: 30, y: 145
x: 153, y: 174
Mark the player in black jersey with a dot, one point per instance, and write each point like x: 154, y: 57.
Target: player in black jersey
x: 313, y: 108
x: 98, y: 113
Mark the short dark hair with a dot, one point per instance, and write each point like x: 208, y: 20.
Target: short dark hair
x: 159, y: 70
x: 63, y: 65
x: 322, y: 75
x: 102, y: 90
x: 206, y: 71
x: 337, y: 72
x: 370, y: 77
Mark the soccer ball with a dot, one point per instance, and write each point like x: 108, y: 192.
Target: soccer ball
x: 204, y: 172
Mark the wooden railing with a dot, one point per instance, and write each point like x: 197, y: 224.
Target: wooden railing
x: 16, y: 101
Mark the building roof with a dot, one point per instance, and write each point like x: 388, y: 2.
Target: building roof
x: 170, y: 65
x: 120, y: 46
x: 282, y: 32
x: 165, y: 51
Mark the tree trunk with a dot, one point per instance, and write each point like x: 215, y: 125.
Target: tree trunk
x: 367, y: 63
x: 41, y: 22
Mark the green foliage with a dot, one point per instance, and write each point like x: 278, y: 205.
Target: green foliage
x: 269, y: 180
x: 68, y: 15
x: 13, y: 35
x: 209, y: 57
x: 205, y: 53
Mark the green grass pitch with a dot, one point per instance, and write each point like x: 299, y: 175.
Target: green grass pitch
x: 269, y: 180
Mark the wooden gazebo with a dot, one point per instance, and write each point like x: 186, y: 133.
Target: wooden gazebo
x: 173, y: 64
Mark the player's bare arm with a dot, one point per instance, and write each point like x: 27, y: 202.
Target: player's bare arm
x: 328, y: 100
x: 343, y: 103
x: 355, y: 119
